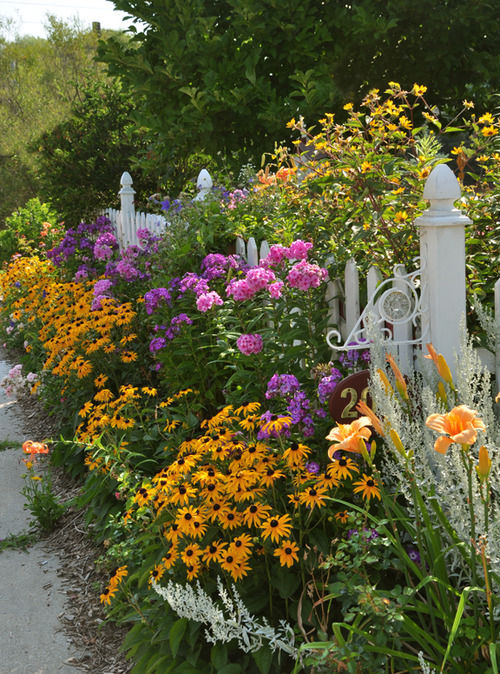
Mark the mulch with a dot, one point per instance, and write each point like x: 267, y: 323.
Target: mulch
x: 84, y: 618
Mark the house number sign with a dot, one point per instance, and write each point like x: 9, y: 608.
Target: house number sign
x: 346, y: 395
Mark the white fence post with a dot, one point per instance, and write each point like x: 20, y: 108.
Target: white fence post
x: 126, y: 194
x: 442, y: 253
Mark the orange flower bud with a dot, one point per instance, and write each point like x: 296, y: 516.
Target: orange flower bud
x: 484, y: 465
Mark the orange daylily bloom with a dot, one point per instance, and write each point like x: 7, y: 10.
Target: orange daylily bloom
x: 349, y: 437
x: 460, y: 425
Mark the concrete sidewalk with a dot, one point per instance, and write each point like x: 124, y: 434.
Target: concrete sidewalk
x: 32, y: 595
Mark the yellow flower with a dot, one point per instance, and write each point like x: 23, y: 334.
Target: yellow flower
x: 487, y: 118
x: 489, y: 131
x: 468, y: 104
x: 368, y: 487
x: 287, y: 553
x: 348, y: 106
x: 460, y: 425
x: 419, y: 90
x: 276, y: 527
x: 400, y: 216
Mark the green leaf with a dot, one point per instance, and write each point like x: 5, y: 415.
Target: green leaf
x: 176, y: 633
x: 218, y: 656
x: 263, y: 658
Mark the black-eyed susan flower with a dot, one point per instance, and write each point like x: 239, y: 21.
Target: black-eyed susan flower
x: 229, y: 519
x: 368, y: 487
x: 107, y: 595
x: 149, y: 391
x: 182, y: 494
x: 241, y: 546
x: 156, y: 573
x: 191, y: 553
x: 342, y: 516
x: 287, y: 553
x: 276, y: 527
x: 192, y: 571
x: 213, y: 551
x: 255, y: 513
x: 296, y: 453
x: 313, y: 497
x: 343, y: 468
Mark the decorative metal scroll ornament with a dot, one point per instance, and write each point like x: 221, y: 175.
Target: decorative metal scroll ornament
x: 397, y: 301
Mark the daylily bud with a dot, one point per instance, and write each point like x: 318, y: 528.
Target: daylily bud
x: 385, y: 381
x: 397, y: 442
x: 484, y: 465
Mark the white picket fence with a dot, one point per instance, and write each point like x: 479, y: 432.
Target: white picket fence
x: 410, y: 309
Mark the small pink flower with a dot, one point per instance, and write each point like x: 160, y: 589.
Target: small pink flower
x: 240, y: 290
x: 249, y: 344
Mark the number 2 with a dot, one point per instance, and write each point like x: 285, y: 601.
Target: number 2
x: 349, y: 411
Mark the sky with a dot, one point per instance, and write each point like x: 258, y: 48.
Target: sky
x: 30, y: 15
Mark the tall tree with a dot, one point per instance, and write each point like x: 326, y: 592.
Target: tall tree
x: 226, y: 75
x: 39, y: 81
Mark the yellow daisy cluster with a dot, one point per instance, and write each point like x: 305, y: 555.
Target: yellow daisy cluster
x: 114, y: 583
x: 108, y: 412
x: 226, y: 497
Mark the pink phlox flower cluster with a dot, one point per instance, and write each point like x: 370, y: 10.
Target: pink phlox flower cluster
x: 206, y: 301
x: 257, y: 278
x: 239, y: 289
x: 275, y: 289
x: 249, y: 344
x: 298, y: 250
x: 305, y: 275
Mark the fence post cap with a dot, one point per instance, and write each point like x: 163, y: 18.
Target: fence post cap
x: 126, y: 183
x: 204, y: 180
x: 442, y: 184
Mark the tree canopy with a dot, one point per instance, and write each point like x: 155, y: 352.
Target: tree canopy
x: 226, y: 75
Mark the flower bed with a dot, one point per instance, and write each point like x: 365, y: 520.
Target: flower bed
x: 244, y: 530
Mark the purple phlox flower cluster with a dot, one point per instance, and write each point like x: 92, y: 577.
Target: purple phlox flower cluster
x: 249, y: 344
x: 104, y: 246
x: 82, y: 274
x: 299, y: 409
x: 328, y: 383
x: 101, y: 291
x: 148, y: 241
x: 282, y: 385
x: 158, y: 343
x: 206, y: 301
x: 193, y: 282
x: 175, y: 206
x: 77, y: 240
x: 304, y: 275
x: 153, y: 298
x: 127, y: 270
x: 216, y: 265
x: 355, y: 358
